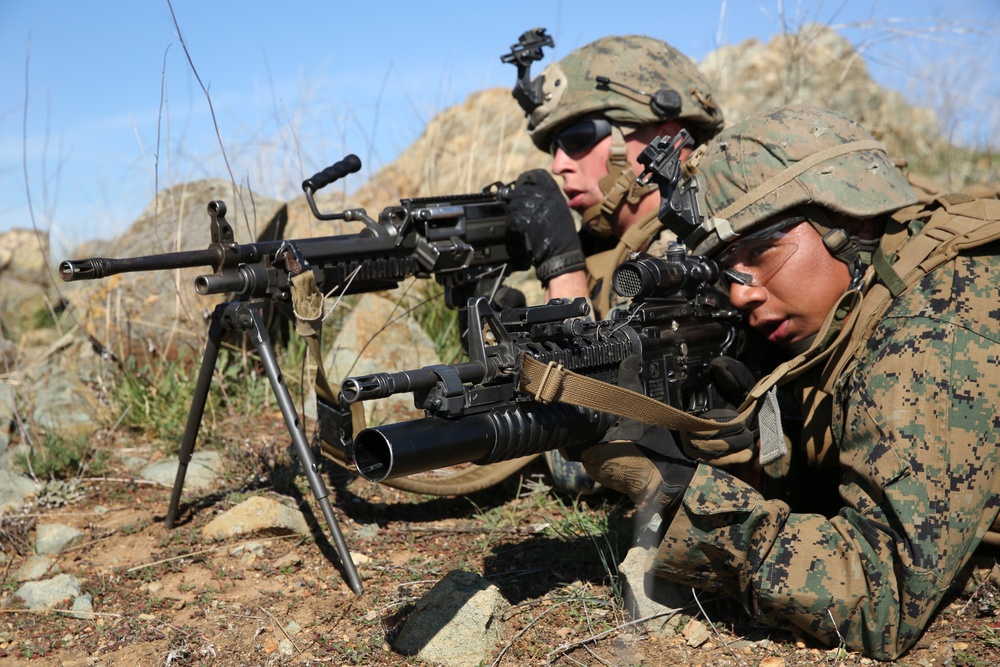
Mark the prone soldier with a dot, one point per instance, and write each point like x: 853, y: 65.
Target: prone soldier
x: 884, y: 308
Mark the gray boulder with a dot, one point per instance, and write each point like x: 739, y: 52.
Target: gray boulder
x: 458, y: 623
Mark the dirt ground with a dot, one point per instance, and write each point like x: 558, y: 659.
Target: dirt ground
x: 171, y: 598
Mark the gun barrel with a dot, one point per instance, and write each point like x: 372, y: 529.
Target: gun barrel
x: 383, y: 385
x: 407, y: 448
x: 95, y: 268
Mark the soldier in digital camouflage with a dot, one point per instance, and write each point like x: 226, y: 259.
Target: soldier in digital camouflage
x: 598, y: 108
x: 887, y: 310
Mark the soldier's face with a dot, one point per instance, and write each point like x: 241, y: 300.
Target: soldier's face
x: 790, y: 303
x: 583, y: 169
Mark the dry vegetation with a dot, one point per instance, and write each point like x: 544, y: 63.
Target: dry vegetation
x: 168, y: 598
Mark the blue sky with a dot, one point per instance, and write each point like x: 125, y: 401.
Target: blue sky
x: 97, y: 96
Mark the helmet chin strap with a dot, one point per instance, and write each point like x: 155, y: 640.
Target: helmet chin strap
x: 618, y: 187
x: 855, y: 252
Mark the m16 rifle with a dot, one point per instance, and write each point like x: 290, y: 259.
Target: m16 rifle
x: 480, y: 411
x: 462, y: 241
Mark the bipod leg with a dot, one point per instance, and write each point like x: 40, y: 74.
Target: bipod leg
x: 249, y: 319
x: 204, y: 383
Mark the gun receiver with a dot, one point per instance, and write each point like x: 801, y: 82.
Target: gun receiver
x: 676, y: 324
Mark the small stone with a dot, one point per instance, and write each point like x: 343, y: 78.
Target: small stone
x: 695, y: 633
x: 256, y: 515
x: 54, y: 538
x: 33, y: 568
x: 291, y: 559
x: 83, y: 606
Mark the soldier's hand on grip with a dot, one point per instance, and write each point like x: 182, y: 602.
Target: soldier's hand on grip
x: 728, y: 446
x: 641, y: 461
x: 539, y: 211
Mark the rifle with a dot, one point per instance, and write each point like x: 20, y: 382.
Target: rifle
x: 461, y: 240
x: 478, y: 412
x: 676, y: 323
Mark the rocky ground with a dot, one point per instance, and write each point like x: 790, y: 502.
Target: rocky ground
x: 275, y: 596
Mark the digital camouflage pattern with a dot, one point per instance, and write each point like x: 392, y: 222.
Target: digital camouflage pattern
x: 571, y: 91
x: 766, y: 147
x: 917, y: 428
x: 915, y: 422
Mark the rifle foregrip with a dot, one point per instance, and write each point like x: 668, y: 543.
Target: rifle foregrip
x: 407, y: 448
x: 336, y: 171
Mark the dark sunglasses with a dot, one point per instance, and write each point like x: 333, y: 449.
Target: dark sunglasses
x: 581, y: 136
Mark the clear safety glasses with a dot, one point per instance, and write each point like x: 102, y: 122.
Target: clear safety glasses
x: 753, y: 260
x: 581, y: 136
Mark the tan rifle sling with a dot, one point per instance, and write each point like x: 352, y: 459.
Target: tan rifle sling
x: 961, y: 222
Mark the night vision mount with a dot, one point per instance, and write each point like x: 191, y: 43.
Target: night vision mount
x: 528, y: 49
x: 680, y: 211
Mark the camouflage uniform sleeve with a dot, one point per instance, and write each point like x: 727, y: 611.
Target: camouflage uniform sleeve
x: 917, y: 428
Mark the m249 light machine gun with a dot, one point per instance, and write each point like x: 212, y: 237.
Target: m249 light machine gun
x: 462, y: 241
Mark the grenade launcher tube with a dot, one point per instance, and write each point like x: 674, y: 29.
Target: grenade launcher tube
x: 420, y: 445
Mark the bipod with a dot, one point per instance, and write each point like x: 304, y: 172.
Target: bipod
x: 245, y: 316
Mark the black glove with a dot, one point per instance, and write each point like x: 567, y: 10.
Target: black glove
x: 732, y: 379
x: 639, y: 460
x: 539, y: 211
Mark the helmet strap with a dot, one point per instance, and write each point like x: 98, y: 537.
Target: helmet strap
x: 855, y: 252
x: 618, y: 187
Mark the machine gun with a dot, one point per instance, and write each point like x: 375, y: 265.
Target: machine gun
x: 462, y: 241
x: 477, y: 411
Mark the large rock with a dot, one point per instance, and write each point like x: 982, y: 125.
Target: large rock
x: 135, y: 313
x: 820, y: 67
x: 378, y: 337
x: 457, y: 623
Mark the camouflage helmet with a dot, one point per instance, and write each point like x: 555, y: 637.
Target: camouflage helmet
x: 787, y: 157
x: 632, y: 80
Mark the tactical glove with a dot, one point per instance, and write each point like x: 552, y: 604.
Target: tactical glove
x: 728, y: 446
x: 641, y: 461
x: 540, y: 213
x: 732, y: 379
